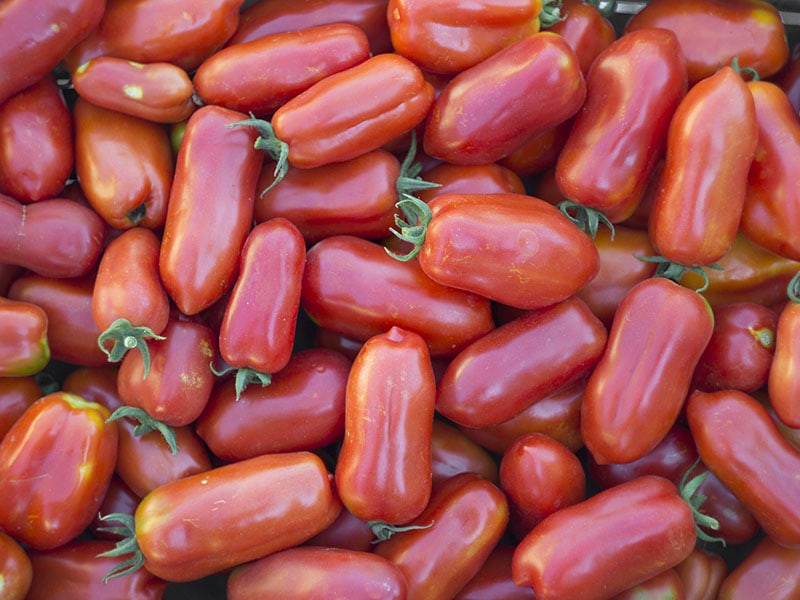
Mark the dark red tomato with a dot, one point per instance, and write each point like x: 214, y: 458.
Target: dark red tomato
x: 71, y: 330
x: 16, y: 571
x: 34, y: 171
x: 604, y: 545
x: 493, y: 581
x: 302, y: 409
x: 353, y: 287
x: 753, y: 30
x: 638, y: 388
x: 75, y: 572
x: 725, y: 422
x: 515, y: 249
x: 16, y: 395
x: 702, y: 574
x: 740, y: 351
x: 620, y: 133
x: 783, y: 381
x: 35, y: 41
x: 519, y: 363
x: 8, y: 274
x: 585, y: 29
x: 789, y: 78
x: 462, y: 524
x: 210, y: 208
x: 710, y: 146
x: 490, y: 178
x: 666, y: 585
x: 383, y: 471
x: 23, y: 338
x: 55, y: 464
x: 348, y: 532
x: 54, y: 238
x: 160, y: 92
x: 771, y: 215
x: 452, y: 452
x: 768, y: 571
x: 540, y: 476
x: 235, y: 78
x: 491, y: 109
x: 345, y: 573
x: 119, y: 498
x: 539, y: 153
x: 182, y: 32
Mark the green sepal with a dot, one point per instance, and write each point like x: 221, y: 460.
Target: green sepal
x: 383, y: 530
x: 793, y: 289
x: 244, y: 377
x: 675, y: 271
x: 754, y: 76
x: 412, y: 227
x: 126, y: 336
x: 409, y: 181
x: 688, y: 490
x: 550, y: 14
x: 127, y: 545
x: 587, y: 219
x: 146, y: 424
x: 270, y: 143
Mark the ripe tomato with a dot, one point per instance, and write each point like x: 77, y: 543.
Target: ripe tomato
x: 666, y: 584
x: 783, y: 381
x: 493, y: 581
x: 23, y: 338
x: 586, y: 30
x: 16, y: 572
x: 16, y: 395
x: 769, y: 570
x: 702, y: 574
x: 452, y: 452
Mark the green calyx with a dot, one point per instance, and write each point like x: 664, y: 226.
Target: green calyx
x: 244, y: 377
x: 146, y: 425
x: 127, y: 545
x: 550, y: 14
x: 754, y: 76
x: 675, y: 271
x: 126, y: 336
x: 412, y: 227
x: 793, y: 289
x: 409, y: 181
x: 688, y: 488
x: 383, y: 530
x: 587, y: 219
x: 267, y: 141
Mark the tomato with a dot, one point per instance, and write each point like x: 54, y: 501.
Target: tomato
x: 119, y: 498
x: 636, y: 391
x: 586, y: 30
x: 725, y: 422
x: 783, y: 381
x: 488, y: 111
x: 490, y: 178
x: 55, y: 464
x: 539, y: 153
x: 210, y: 209
x: 711, y: 143
x: 604, y: 545
x: 16, y: 572
x: 351, y: 286
x: 619, y: 135
x: 16, y: 395
x: 205, y: 523
x: 789, y: 78
x: 299, y: 571
x: 34, y: 171
x: 493, y: 580
x: 8, y: 274
x: 159, y: 91
x: 702, y: 574
x: 54, y: 238
x: 347, y: 531
x: 768, y: 571
x: 452, y: 452
x: 463, y: 522
x: 32, y: 46
x: 23, y: 330
x: 665, y: 585
x: 753, y: 32
x: 520, y: 363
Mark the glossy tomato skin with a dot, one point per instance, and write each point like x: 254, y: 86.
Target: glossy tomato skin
x: 346, y: 573
x: 619, y: 135
x: 490, y: 178
x: 452, y: 452
x: 758, y: 479
x: 697, y: 209
x: 585, y: 29
x: 538, y: 154
x: 489, y: 110
x: 608, y: 543
x: 666, y: 584
x: 302, y: 409
x: 636, y: 391
x: 383, y: 471
x: 353, y: 287
x: 520, y: 363
x: 16, y: 571
x: 783, y: 381
x: 119, y: 498
x: 23, y: 330
x: 493, y: 580
x: 754, y: 33
x: 768, y: 571
x: 16, y: 395
x: 272, y: 502
x: 464, y: 521
x: 515, y: 249
x: 55, y: 463
x: 347, y: 531
x: 702, y: 574
x: 210, y: 208
x: 31, y: 172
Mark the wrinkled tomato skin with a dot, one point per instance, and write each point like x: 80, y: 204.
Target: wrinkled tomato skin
x: 753, y: 32
x: 619, y: 135
x: 272, y: 502
x: 702, y: 574
x: 490, y: 178
x: 56, y: 462
x: 16, y: 395
x: 34, y: 171
x: 23, y: 330
x: 452, y: 452
x: 493, y: 580
x: 637, y: 390
x: 585, y: 29
x: 16, y: 571
x: 353, y: 287
x: 592, y: 550
x: 520, y: 363
x: 768, y: 571
x: 724, y: 422
x: 783, y: 381
x: 488, y: 111
x: 711, y: 143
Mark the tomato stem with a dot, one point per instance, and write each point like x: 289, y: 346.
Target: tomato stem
x: 675, y: 271
x: 409, y: 180
x: 127, y: 545
x: 146, y: 424
x: 413, y: 228
x: 793, y: 289
x: 126, y: 336
x: 587, y: 219
x: 244, y: 376
x: 688, y: 491
x: 550, y: 13
x: 383, y: 530
x: 267, y: 141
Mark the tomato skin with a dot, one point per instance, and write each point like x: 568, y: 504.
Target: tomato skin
x: 636, y: 391
x: 302, y: 409
x: 702, y: 574
x: 346, y: 573
x: 61, y: 238
x: 211, y: 199
x: 783, y: 381
x: 16, y: 395
x: 16, y: 571
x: 159, y: 92
x: 22, y: 29
x: 592, y: 549
x: 347, y: 532
x: 463, y: 522
x: 619, y: 135
x: 758, y: 479
x: 697, y: 209
x: 519, y: 363
x: 23, y: 330
x: 490, y: 178
x: 489, y: 110
x: 539, y: 153
x: 586, y: 30
x: 789, y: 78
x: 515, y: 249
x: 55, y: 463
x: 31, y: 172
x: 493, y: 580
x: 119, y: 498
x: 768, y: 571
x: 351, y: 286
x: 666, y: 584
x: 383, y: 472
x: 452, y: 452
x: 272, y: 502
x: 753, y: 32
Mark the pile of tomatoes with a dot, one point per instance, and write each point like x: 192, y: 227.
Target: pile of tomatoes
x: 420, y: 299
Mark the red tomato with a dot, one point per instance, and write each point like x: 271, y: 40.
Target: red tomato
x: 702, y: 574
x: 16, y: 572
x: 23, y: 338
x: 119, y: 498
x: 768, y: 571
x: 538, y: 153
x: 493, y: 581
x: 586, y: 30
x: 16, y: 395
x: 783, y: 380
x: 452, y: 452
x: 789, y: 78
x: 347, y: 531
x: 489, y: 178
x: 666, y: 584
